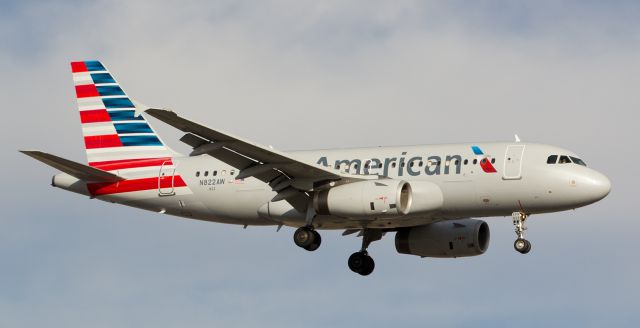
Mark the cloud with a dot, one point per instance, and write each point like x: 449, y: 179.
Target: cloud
x: 304, y: 75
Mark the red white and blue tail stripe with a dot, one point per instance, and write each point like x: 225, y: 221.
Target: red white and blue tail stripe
x: 118, y: 138
x: 116, y: 135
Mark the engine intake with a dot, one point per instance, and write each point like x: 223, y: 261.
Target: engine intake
x: 376, y: 198
x: 445, y: 239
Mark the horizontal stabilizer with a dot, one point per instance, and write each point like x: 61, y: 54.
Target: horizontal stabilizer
x: 80, y: 171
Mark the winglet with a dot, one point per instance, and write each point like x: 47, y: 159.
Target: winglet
x: 80, y: 171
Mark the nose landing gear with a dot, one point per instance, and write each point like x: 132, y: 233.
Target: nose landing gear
x: 521, y: 245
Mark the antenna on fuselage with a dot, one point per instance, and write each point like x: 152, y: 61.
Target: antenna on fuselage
x: 517, y: 138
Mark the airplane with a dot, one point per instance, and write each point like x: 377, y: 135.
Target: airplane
x: 430, y: 196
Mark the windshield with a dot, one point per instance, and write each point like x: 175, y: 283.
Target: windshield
x: 578, y: 161
x: 564, y: 160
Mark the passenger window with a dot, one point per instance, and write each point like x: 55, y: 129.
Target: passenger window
x: 493, y: 161
x: 206, y: 173
x: 393, y: 164
x: 564, y: 160
x: 475, y: 161
x: 420, y: 164
x: 233, y: 172
x: 552, y: 159
x: 466, y: 161
x: 215, y: 173
x: 197, y: 174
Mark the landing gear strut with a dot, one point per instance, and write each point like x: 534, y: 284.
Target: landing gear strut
x: 307, y: 238
x: 521, y: 245
x: 360, y: 262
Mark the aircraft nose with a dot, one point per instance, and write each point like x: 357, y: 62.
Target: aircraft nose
x: 598, y: 186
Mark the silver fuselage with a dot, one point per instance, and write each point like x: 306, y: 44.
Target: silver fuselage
x: 522, y: 181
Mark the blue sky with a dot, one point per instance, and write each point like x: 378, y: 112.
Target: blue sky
x: 304, y: 75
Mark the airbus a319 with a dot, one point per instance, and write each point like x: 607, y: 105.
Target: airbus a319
x: 430, y: 196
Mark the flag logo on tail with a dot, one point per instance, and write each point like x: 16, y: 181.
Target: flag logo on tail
x: 485, y: 162
x: 113, y: 131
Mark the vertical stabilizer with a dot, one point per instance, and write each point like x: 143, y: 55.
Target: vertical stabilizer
x: 116, y: 135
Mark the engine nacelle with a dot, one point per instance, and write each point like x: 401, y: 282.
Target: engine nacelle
x: 447, y: 239
x: 375, y: 198
x: 426, y: 197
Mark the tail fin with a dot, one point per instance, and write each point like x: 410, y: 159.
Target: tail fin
x: 115, y: 132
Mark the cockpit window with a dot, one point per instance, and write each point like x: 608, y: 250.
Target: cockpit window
x: 564, y: 160
x: 578, y: 161
x: 553, y: 159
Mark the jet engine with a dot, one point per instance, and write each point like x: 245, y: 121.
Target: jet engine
x: 445, y: 239
x: 374, y: 198
x: 426, y: 197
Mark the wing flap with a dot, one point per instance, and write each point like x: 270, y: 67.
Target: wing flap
x: 193, y: 140
x: 80, y: 171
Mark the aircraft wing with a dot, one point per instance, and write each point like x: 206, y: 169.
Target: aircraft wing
x: 80, y: 171
x: 264, y: 163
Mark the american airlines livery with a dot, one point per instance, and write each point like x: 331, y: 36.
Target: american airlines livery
x: 428, y: 195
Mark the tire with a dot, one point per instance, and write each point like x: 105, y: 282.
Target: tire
x: 368, y: 267
x: 527, y: 248
x: 522, y: 245
x: 357, y: 261
x: 361, y: 263
x: 304, y: 237
x: 317, y: 240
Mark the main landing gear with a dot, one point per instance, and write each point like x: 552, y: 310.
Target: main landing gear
x: 360, y: 262
x: 308, y: 238
x: 521, y: 245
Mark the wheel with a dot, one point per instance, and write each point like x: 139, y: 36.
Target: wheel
x: 356, y: 261
x: 361, y: 263
x: 527, y: 248
x: 369, y: 265
x: 317, y: 240
x: 522, y: 245
x: 304, y: 237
